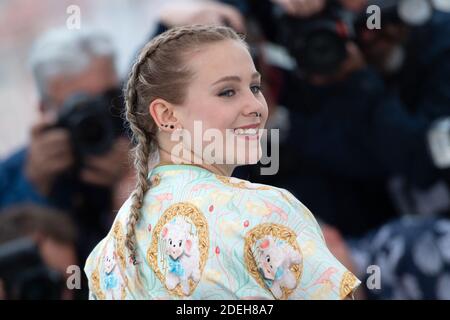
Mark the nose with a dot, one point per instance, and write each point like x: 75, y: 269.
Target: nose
x: 253, y: 105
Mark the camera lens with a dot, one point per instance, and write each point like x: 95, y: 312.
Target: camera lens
x: 94, y: 133
x: 324, y: 51
x: 91, y: 124
x: 91, y: 132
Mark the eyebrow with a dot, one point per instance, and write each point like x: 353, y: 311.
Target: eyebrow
x: 236, y: 78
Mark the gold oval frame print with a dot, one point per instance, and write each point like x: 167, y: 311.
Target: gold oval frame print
x: 193, y: 214
x: 347, y: 284
x: 240, y: 185
x: 278, y: 231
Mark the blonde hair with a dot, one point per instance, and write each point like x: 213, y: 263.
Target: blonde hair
x: 160, y: 71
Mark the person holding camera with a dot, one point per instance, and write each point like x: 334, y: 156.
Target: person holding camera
x: 37, y: 247
x: 77, y: 154
x: 362, y: 103
x: 394, y: 82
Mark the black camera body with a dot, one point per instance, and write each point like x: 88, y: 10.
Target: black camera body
x: 24, y: 275
x: 94, y: 122
x: 317, y: 43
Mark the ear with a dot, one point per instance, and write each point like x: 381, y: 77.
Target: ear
x: 163, y: 113
x: 265, y: 244
x: 164, y: 232
x: 188, y: 246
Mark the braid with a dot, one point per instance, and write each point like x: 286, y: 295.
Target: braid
x: 141, y: 156
x: 143, y: 137
x: 143, y: 147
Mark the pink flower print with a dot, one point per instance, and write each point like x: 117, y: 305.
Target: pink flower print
x: 273, y: 208
x: 160, y: 198
x: 204, y: 186
x: 164, y: 196
x: 325, y: 276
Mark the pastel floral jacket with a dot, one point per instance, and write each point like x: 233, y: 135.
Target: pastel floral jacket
x: 205, y: 236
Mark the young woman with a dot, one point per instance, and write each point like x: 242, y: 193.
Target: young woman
x: 190, y: 230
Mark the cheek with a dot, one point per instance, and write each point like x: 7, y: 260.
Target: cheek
x: 208, y: 113
x: 221, y: 117
x: 216, y: 121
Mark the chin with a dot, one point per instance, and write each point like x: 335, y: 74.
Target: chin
x: 248, y: 156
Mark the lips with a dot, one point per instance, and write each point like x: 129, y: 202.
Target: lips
x: 250, y: 131
x: 247, y: 130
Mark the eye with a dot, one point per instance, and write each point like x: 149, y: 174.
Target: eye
x: 256, y: 88
x: 227, y: 93
x: 170, y: 241
x: 180, y: 242
x: 268, y: 258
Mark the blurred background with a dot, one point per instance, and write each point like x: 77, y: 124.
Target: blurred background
x: 127, y: 22
x: 359, y: 89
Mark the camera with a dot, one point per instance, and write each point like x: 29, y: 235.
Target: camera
x: 94, y: 122
x: 318, y: 43
x: 24, y: 275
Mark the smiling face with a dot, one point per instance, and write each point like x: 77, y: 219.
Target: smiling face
x: 175, y: 245
x: 225, y: 93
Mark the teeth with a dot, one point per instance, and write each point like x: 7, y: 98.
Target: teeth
x: 250, y: 131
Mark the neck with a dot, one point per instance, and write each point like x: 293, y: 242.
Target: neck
x: 223, y: 170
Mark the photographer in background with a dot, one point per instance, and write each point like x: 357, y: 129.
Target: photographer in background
x: 78, y: 154
x: 37, y: 245
x: 389, y: 96
x: 358, y: 147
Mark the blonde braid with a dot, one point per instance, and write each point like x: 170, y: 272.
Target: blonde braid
x: 141, y: 156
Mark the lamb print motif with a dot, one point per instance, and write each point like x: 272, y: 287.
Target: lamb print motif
x: 274, y: 259
x: 182, y: 254
x: 179, y: 248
